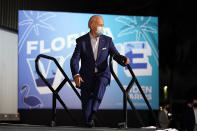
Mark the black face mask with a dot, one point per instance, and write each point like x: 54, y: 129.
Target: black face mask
x: 195, y: 105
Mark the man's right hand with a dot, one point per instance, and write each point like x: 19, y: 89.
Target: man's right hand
x: 78, y: 79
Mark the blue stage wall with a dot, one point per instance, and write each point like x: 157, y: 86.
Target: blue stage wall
x: 54, y: 34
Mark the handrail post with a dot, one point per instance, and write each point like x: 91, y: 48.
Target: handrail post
x: 53, y: 122
x: 125, y: 109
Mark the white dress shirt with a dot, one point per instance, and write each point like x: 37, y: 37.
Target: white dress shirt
x: 94, y: 43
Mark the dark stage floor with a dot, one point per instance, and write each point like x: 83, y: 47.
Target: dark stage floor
x: 24, y: 127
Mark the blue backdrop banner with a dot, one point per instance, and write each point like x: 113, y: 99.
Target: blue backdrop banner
x: 54, y: 34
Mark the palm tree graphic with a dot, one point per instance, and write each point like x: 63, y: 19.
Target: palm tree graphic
x: 34, y: 20
x: 139, y: 25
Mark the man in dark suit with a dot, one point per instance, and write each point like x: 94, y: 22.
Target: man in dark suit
x: 94, y: 75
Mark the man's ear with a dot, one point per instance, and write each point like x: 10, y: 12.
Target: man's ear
x: 91, y: 27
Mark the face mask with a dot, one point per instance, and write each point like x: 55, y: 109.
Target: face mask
x: 99, y: 31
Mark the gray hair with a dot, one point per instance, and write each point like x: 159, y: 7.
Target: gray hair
x: 92, y: 19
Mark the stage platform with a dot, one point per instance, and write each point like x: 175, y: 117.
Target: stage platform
x: 25, y: 127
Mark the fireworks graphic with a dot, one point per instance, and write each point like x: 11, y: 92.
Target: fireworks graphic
x: 140, y: 26
x: 34, y: 20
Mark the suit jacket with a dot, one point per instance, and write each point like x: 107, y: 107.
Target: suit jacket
x: 163, y: 119
x: 83, y: 51
x: 188, y: 120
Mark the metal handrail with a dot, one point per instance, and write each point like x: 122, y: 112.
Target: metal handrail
x: 127, y: 98
x: 55, y: 92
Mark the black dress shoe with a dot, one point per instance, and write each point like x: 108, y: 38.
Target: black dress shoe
x: 90, y: 124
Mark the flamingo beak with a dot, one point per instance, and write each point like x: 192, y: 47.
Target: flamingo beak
x: 22, y: 89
